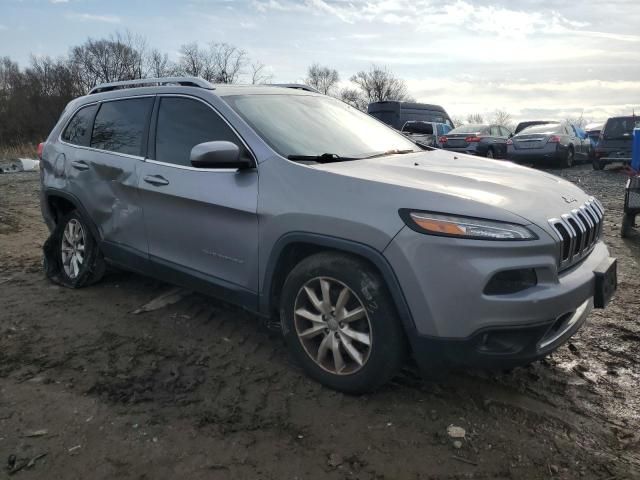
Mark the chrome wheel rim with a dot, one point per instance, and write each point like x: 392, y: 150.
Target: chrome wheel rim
x: 333, y: 326
x: 73, y: 248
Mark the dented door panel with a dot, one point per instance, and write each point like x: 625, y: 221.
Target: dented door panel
x: 106, y: 184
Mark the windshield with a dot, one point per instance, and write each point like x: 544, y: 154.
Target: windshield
x: 470, y: 129
x: 311, y: 125
x: 621, y: 127
x: 546, y: 129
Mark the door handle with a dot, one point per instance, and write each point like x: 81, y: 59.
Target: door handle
x: 157, y: 180
x: 80, y: 165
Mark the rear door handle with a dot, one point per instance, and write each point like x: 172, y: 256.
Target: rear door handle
x: 80, y: 165
x: 157, y: 180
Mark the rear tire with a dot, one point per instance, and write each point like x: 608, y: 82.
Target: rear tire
x: 79, y: 260
x: 597, y: 165
x: 490, y: 153
x: 567, y: 161
x: 340, y: 323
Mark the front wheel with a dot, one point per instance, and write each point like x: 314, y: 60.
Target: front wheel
x: 340, y: 323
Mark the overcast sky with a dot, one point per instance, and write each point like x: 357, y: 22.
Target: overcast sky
x: 533, y: 58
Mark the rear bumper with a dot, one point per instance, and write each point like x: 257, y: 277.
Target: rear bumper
x: 468, y: 150
x: 539, y: 155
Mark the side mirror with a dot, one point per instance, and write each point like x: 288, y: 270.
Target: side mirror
x: 219, y: 154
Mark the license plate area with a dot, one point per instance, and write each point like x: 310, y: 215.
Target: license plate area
x: 606, y: 276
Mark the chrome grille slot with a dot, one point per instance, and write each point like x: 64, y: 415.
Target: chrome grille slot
x: 578, y: 232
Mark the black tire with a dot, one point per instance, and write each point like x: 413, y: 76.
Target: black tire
x: 387, y: 349
x: 569, y: 158
x: 490, y: 153
x: 597, y: 165
x: 628, y: 222
x: 93, y: 266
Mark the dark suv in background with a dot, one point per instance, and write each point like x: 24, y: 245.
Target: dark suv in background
x: 614, y: 144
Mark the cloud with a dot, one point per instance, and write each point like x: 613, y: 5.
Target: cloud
x: 89, y: 17
x: 58, y: 1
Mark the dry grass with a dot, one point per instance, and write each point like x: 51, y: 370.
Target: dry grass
x: 24, y: 150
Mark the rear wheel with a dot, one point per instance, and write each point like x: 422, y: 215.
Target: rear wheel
x: 490, y: 153
x: 340, y: 324
x: 597, y: 165
x: 79, y: 259
x: 569, y: 158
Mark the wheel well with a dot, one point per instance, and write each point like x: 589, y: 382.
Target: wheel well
x: 292, y: 255
x: 59, y: 207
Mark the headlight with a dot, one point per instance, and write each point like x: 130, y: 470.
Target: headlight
x: 464, y: 227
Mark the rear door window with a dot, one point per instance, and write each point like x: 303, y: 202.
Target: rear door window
x: 78, y: 131
x: 120, y: 125
x: 184, y: 123
x: 495, y: 131
x: 505, y: 131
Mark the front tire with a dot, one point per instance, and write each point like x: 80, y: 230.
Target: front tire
x: 78, y: 257
x: 340, y: 324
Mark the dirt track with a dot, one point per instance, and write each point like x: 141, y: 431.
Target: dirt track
x: 202, y: 390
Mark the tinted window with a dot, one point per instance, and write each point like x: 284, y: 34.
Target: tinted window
x: 184, y: 123
x: 505, y: 131
x: 495, y: 131
x: 120, y: 125
x: 78, y: 130
x: 621, y: 127
x: 418, y: 127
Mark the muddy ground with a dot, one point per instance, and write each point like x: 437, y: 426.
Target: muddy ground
x: 203, y: 390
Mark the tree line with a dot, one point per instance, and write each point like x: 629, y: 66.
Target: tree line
x: 32, y: 98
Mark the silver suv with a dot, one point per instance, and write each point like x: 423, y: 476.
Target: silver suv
x: 294, y: 205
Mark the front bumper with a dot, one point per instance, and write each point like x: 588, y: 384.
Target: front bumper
x: 443, y: 280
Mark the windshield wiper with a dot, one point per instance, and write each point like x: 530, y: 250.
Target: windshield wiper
x: 324, y: 158
x: 389, y: 152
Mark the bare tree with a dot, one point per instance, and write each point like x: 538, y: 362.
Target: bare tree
x: 353, y: 97
x: 502, y: 117
x: 259, y: 73
x: 323, y: 79
x: 475, y: 118
x: 195, y: 62
x: 379, y: 84
x: 120, y: 57
x: 158, y: 64
x: 579, y: 122
x: 228, y: 62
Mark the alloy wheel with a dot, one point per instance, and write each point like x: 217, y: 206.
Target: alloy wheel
x: 73, y: 248
x: 333, y: 326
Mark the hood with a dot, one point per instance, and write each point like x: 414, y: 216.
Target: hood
x: 532, y: 195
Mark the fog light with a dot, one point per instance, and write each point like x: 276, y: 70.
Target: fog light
x: 511, y: 281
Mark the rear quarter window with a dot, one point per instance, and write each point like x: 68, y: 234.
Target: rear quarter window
x: 78, y: 130
x: 120, y: 125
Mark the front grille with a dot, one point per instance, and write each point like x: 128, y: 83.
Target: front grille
x: 578, y: 231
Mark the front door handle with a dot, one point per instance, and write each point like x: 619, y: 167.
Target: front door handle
x: 80, y: 165
x: 157, y: 180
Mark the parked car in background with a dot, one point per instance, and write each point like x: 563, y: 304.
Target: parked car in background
x: 425, y: 134
x: 559, y: 143
x: 614, y: 144
x: 593, y: 134
x: 522, y: 125
x: 478, y: 139
x: 396, y: 114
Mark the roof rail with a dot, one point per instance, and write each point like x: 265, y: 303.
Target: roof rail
x: 298, y: 86
x: 184, y: 81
